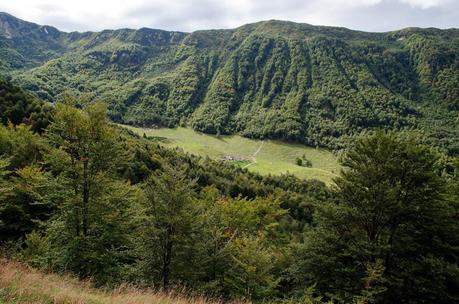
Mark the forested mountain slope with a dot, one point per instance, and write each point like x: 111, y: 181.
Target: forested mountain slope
x: 312, y: 84
x: 80, y: 195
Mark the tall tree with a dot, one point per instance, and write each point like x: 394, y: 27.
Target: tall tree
x: 89, y: 148
x: 242, y: 245
x: 90, y: 233
x: 392, y: 236
x: 4, y: 189
x: 170, y: 226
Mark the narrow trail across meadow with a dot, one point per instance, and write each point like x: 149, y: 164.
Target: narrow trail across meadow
x: 254, y: 159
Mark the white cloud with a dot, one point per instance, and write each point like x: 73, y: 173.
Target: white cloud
x: 425, y: 4
x: 189, y: 15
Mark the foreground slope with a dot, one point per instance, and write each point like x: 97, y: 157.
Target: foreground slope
x: 272, y: 79
x: 20, y: 284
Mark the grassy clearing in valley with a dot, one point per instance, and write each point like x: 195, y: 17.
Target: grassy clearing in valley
x: 20, y: 284
x: 274, y: 157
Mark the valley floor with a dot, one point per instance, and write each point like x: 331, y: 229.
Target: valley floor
x: 261, y: 156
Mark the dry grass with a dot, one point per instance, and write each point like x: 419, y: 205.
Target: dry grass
x: 22, y: 284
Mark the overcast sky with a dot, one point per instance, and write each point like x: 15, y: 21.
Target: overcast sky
x: 190, y: 15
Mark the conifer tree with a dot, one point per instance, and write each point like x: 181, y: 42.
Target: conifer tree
x: 391, y: 227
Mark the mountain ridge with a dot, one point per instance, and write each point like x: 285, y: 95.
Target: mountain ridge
x: 4, y: 15
x: 275, y: 79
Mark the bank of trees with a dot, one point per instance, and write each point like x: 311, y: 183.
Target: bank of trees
x: 89, y: 198
x: 392, y: 233
x: 278, y: 80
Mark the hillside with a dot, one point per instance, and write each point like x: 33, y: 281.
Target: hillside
x: 20, y: 284
x: 272, y: 79
x: 263, y: 157
x: 227, y: 229
x: 83, y: 196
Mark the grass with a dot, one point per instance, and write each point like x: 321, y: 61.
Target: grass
x: 20, y: 284
x: 274, y: 157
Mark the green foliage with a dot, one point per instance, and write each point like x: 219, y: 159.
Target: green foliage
x: 272, y: 157
x: 74, y: 203
x: 299, y: 161
x: 241, y: 245
x: 170, y: 227
x: 295, y: 82
x: 18, y: 106
x: 24, y: 44
x: 392, y: 222
x: 98, y: 200
x: 303, y: 161
x: 23, y: 207
x: 101, y: 252
x: 251, y: 271
x: 36, y: 250
x: 89, y: 233
x: 21, y: 145
x: 223, y: 246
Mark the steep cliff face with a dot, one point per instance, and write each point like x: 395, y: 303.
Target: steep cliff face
x: 274, y: 79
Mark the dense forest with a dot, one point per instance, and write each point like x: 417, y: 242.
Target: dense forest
x: 318, y: 85
x: 80, y: 195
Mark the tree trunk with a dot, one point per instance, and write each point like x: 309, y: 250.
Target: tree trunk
x: 167, y: 262
x: 85, y: 197
x: 75, y: 188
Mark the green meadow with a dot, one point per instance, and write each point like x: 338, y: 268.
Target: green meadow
x: 262, y: 156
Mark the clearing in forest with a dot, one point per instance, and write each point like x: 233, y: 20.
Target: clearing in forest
x: 262, y: 156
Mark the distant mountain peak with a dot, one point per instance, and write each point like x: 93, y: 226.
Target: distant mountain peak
x: 270, y: 79
x: 7, y: 25
x: 11, y: 26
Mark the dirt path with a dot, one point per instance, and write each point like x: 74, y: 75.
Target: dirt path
x: 254, y: 159
x: 258, y: 150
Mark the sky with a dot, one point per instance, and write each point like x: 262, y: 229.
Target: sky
x: 191, y: 15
